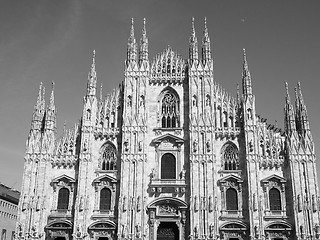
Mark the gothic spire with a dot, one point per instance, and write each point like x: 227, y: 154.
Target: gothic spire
x: 289, y: 119
x: 206, y: 50
x: 92, y: 77
x: 193, y: 44
x: 51, y: 101
x: 132, y: 45
x: 246, y: 77
x: 39, y: 109
x: 143, y: 53
x: 301, y: 111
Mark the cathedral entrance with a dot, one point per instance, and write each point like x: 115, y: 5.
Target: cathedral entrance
x: 103, y: 238
x: 168, y: 231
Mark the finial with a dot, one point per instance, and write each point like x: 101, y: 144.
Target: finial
x: 193, y: 29
x: 238, y: 92
x: 287, y: 88
x: 93, y: 56
x: 52, y: 95
x: 132, y: 29
x: 144, y: 32
x: 205, y: 23
x: 64, y: 126
x: 101, y: 92
x: 244, y: 54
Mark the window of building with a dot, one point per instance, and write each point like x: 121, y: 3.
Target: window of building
x: 169, y: 110
x: 232, y: 199
x: 230, y: 157
x: 4, y: 234
x: 168, y: 166
x: 105, y: 199
x: 109, y: 158
x: 63, y: 199
x: 274, y: 199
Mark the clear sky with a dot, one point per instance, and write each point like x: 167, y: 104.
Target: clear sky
x: 45, y: 41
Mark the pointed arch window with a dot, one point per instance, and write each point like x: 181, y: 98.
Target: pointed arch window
x: 105, y: 199
x: 230, y: 157
x: 274, y: 199
x: 169, y: 110
x: 63, y: 199
x: 109, y: 158
x: 168, y: 166
x: 232, y: 199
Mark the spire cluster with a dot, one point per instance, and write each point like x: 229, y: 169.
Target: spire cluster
x: 296, y: 119
x: 132, y: 46
x: 205, y: 46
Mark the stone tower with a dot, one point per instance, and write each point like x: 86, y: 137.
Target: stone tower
x: 170, y: 155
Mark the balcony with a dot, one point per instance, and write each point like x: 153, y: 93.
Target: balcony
x: 168, y: 185
x: 231, y: 214
x: 97, y: 214
x: 60, y: 213
x: 275, y: 214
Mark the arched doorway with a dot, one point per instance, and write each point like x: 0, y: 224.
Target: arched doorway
x: 168, y: 231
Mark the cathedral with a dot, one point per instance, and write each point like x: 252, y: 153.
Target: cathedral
x: 170, y: 155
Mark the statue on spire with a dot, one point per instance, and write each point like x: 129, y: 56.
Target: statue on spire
x: 92, y: 77
x: 132, y: 45
x: 143, y: 52
x: 206, y: 49
x: 246, y: 76
x: 193, y: 44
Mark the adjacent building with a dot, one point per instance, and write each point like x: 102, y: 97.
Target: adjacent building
x: 9, y: 199
x: 170, y: 155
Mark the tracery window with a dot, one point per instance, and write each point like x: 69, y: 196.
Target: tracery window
x: 274, y: 199
x: 168, y: 166
x: 169, y: 110
x: 105, y: 199
x: 230, y: 157
x: 63, y: 199
x: 109, y: 158
x: 231, y: 199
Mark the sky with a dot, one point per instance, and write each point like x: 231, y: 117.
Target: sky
x: 52, y: 41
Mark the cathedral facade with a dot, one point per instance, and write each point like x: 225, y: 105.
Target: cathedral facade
x: 170, y: 155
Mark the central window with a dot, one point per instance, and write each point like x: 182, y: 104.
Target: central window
x: 275, y: 199
x: 231, y: 199
x: 105, y: 199
x: 168, y: 166
x: 169, y: 110
x: 109, y: 158
x: 63, y: 199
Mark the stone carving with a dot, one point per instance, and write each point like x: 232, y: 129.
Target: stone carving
x: 210, y: 203
x: 167, y: 209
x: 81, y: 204
x: 211, y: 230
x: 195, y: 145
x: 123, y: 230
x: 138, y: 230
x: 124, y: 207
x: 139, y: 204
x: 25, y: 204
x: 196, y: 206
x: 196, y: 231
x: 208, y: 145
x: 38, y: 205
x: 183, y: 174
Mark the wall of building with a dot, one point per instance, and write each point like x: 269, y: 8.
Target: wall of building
x: 9, y: 199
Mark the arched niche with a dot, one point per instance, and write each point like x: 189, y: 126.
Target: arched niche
x: 167, y: 211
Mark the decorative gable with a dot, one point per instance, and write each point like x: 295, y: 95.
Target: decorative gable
x: 105, y: 181
x: 167, y: 141
x: 63, y: 181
